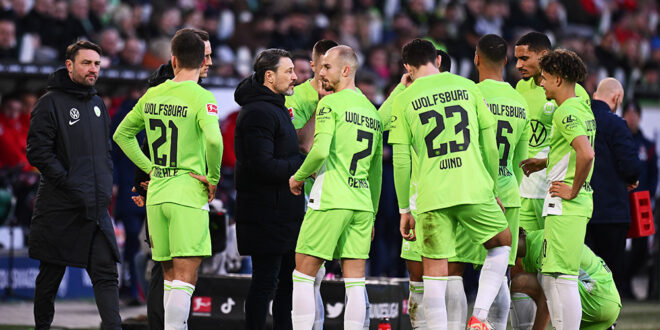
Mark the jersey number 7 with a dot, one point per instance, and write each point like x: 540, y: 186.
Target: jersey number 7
x: 361, y: 135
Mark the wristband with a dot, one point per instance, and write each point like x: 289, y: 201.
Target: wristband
x: 403, y: 211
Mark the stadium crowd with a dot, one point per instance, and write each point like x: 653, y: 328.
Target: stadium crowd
x: 619, y: 39
x: 615, y: 38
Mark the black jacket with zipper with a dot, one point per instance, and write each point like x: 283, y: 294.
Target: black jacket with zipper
x: 69, y: 143
x: 268, y: 215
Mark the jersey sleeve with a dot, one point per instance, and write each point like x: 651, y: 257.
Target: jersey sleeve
x: 325, y: 129
x: 581, y: 92
x: 125, y: 134
x: 399, y: 128
x: 569, y: 125
x: 300, y: 116
x: 385, y: 109
x: 485, y: 118
x: 207, y: 119
x: 376, y: 174
x: 325, y: 118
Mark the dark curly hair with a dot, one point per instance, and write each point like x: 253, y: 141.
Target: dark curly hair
x: 565, y: 64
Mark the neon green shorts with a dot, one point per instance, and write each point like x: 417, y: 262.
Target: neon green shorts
x: 597, y: 313
x: 336, y: 234
x: 178, y: 231
x: 410, y: 249
x: 438, y: 239
x: 471, y: 253
x: 531, y: 214
x: 563, y: 240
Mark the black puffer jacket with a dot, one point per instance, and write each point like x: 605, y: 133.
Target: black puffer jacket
x: 69, y: 143
x: 268, y: 215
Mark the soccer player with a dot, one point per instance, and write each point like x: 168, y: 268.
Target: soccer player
x: 568, y: 202
x: 512, y: 135
x: 528, y: 51
x: 598, y: 294
x: 302, y: 106
x: 180, y: 119
x: 306, y: 96
x: 410, y: 249
x: 347, y: 158
x: 444, y: 118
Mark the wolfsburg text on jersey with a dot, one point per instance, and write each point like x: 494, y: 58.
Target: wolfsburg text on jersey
x: 172, y: 110
x: 443, y: 97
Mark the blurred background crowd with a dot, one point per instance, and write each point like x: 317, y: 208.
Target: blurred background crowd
x: 618, y: 38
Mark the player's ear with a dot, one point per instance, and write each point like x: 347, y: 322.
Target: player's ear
x: 346, y: 71
x: 174, y: 62
x: 69, y: 65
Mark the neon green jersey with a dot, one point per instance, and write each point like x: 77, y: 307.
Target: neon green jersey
x: 385, y: 109
x: 510, y: 110
x: 346, y: 176
x: 385, y: 112
x: 595, y: 278
x: 302, y: 103
x: 180, y: 119
x: 540, y: 121
x: 572, y: 119
x: 441, y: 117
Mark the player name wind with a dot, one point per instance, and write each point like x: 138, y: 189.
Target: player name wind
x: 173, y: 110
x: 443, y: 97
x: 360, y: 120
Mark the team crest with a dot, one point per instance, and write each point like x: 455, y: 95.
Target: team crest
x: 97, y: 111
x: 74, y: 113
x: 212, y: 109
x: 549, y: 108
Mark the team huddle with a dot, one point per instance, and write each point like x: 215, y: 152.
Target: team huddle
x: 484, y: 173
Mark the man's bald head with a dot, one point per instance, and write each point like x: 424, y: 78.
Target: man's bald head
x: 345, y: 56
x: 609, y: 91
x: 338, y: 70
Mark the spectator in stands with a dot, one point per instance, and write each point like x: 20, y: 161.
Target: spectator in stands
x: 648, y: 87
x: 526, y: 15
x: 111, y: 43
x: 13, y: 133
x: 648, y: 180
x: 378, y: 65
x: 79, y: 25
x: 8, y: 48
x: 132, y: 53
x: 293, y: 31
x: 98, y: 10
x: 616, y: 170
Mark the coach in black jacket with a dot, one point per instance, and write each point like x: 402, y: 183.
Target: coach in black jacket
x: 616, y: 170
x: 68, y: 142
x: 268, y: 216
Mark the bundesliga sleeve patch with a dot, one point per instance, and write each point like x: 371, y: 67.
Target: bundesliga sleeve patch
x: 291, y: 114
x: 212, y: 109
